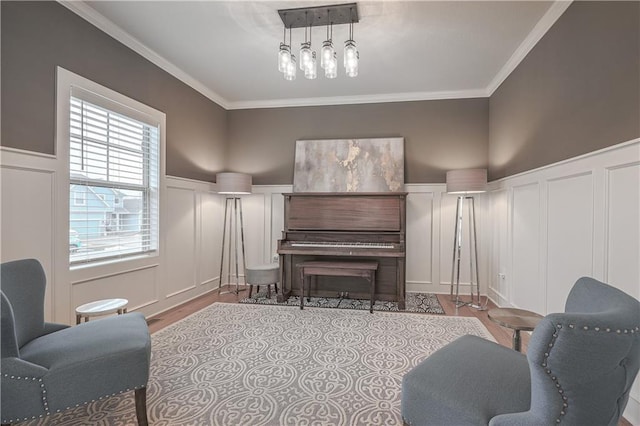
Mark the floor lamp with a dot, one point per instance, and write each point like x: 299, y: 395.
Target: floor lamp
x: 465, y: 183
x: 232, y: 185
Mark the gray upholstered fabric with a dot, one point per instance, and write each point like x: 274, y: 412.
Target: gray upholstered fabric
x: 24, y: 282
x: 9, y: 346
x: 463, y: 384
x: 50, y: 367
x: 582, y: 364
x: 112, y: 352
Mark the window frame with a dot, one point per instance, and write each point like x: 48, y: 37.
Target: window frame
x: 68, y: 83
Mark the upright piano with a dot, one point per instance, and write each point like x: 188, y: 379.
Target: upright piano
x: 341, y: 226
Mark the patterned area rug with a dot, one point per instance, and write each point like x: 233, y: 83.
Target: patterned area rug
x: 414, y: 302
x: 233, y: 364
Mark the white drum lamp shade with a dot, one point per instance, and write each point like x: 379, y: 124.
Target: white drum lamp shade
x: 233, y: 183
x: 466, y: 181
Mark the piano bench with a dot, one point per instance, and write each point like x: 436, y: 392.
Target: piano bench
x: 266, y: 274
x: 362, y: 269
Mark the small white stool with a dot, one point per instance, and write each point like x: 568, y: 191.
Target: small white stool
x: 266, y: 274
x: 101, y: 307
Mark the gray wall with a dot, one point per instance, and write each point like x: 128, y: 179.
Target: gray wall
x: 577, y: 91
x: 38, y: 36
x: 439, y: 135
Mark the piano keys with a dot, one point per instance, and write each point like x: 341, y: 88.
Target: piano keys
x: 341, y: 226
x: 343, y: 244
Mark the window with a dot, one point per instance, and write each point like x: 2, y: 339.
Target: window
x: 79, y: 198
x: 113, y: 175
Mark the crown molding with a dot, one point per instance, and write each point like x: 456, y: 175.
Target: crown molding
x: 539, y: 30
x: 86, y: 12
x: 363, y: 99
x: 89, y: 14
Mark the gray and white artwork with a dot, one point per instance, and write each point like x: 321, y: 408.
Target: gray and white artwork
x: 349, y: 165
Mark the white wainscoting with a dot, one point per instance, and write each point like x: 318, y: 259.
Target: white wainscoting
x: 555, y: 224
x: 552, y: 225
x: 27, y: 187
x: 186, y: 266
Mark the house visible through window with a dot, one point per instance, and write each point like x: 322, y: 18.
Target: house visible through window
x: 114, y: 174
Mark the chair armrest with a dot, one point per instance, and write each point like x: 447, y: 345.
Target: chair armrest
x: 52, y: 327
x: 16, y: 368
x: 23, y: 390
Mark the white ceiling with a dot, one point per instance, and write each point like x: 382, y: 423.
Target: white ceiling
x: 409, y: 50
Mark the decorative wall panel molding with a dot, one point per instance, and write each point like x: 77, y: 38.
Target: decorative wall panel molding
x: 180, y: 240
x: 578, y: 217
x: 33, y: 226
x: 28, y: 215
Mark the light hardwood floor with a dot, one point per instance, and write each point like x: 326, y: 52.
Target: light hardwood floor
x: 502, y: 335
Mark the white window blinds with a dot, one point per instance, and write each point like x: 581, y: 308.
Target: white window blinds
x: 114, y: 172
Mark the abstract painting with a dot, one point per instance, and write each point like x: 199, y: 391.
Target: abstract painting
x: 349, y: 165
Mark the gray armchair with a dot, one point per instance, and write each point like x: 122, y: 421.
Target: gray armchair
x: 579, y: 369
x: 47, y: 368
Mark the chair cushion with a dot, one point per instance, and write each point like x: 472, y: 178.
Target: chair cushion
x: 92, y: 360
x: 464, y: 384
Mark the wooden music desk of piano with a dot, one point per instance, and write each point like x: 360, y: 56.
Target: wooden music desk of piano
x: 351, y: 226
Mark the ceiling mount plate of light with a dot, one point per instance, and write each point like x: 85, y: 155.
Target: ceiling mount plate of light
x: 307, y: 18
x: 319, y: 15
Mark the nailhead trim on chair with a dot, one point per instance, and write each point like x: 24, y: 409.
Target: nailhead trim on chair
x: 554, y: 379
x: 44, y: 398
x: 103, y: 397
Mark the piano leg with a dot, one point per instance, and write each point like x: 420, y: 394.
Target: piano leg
x: 285, y: 273
x: 372, y: 283
x: 302, y: 279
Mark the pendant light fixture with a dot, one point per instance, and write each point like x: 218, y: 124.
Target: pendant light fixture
x: 308, y: 17
x: 305, y: 48
x: 291, y: 67
x: 351, y: 54
x: 328, y: 60
x: 284, y: 54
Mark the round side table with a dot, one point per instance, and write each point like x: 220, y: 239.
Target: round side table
x: 516, y: 319
x: 101, y: 307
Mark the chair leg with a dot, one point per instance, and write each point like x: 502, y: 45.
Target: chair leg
x: 141, y: 406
